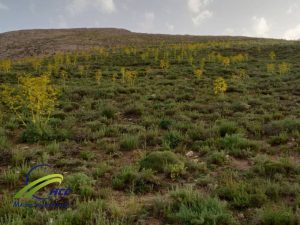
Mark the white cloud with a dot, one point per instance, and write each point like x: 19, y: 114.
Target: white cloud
x: 292, y: 8
x: 59, y: 21
x: 32, y: 7
x: 107, y: 5
x: 293, y: 33
x: 170, y: 27
x: 78, y: 6
x: 3, y: 7
x: 228, y: 31
x: 260, y: 26
x: 149, y: 16
x: 196, y: 6
x: 62, y: 22
x: 147, y: 24
x: 199, y: 10
x: 206, y: 14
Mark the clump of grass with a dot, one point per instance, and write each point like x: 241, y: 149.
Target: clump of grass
x: 274, y: 190
x: 254, y: 128
x: 132, y: 180
x: 241, y: 194
x: 238, y: 146
x: 189, y: 207
x: 11, y: 220
x: 131, y: 210
x: 269, y: 168
x: 84, y: 213
x: 40, y: 172
x: 109, y: 112
x: 101, y: 169
x: 151, y: 137
x: 53, y: 148
x: 282, y: 138
x: 20, y: 155
x: 217, y: 158
x: 87, y: 155
x: 227, y: 128
x: 10, y: 177
x: 165, y: 124
x: 4, y: 143
x: 129, y: 142
x: 278, y: 215
x: 33, y: 134
x: 285, y: 125
x: 80, y: 183
x: 110, y: 148
x: 206, y: 181
x: 172, y: 139
x: 135, y: 110
x: 198, y: 133
x: 110, y: 131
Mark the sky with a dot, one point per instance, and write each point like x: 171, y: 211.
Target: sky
x: 256, y: 18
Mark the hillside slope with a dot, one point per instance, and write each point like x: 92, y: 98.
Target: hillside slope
x: 18, y: 44
x: 188, y: 133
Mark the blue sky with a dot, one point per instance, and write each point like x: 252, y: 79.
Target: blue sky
x: 259, y: 18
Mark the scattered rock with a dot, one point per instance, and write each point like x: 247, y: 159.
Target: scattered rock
x: 190, y: 154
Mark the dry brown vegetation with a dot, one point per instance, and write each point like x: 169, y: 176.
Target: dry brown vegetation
x: 19, y: 44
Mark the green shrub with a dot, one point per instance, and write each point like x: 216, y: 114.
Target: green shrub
x: 32, y: 134
x: 240, y: 106
x: 189, y: 207
x: 70, y: 106
x: 175, y: 170
x: 160, y: 161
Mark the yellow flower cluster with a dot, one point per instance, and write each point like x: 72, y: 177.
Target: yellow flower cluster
x: 220, y: 86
